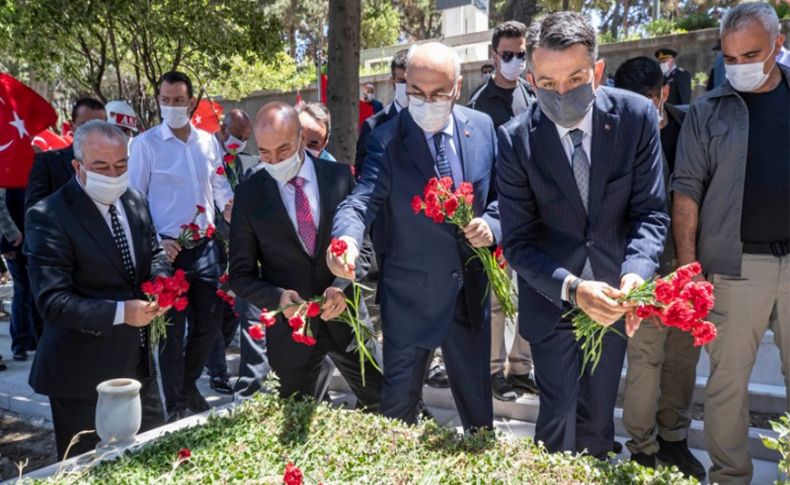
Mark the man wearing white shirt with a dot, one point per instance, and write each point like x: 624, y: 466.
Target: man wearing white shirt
x: 90, y: 245
x: 175, y: 166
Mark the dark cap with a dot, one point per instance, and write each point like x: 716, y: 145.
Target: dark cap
x: 665, y: 52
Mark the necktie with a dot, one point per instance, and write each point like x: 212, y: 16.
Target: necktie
x: 442, y: 164
x: 581, y: 172
x: 304, y: 216
x: 119, y: 236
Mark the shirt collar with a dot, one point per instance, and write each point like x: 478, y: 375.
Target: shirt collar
x: 397, y: 106
x: 586, y: 125
x: 167, y: 132
x: 449, y: 129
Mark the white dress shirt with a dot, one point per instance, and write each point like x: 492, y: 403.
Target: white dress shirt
x: 586, y: 125
x: 175, y: 176
x: 310, y: 187
x: 450, y: 148
x: 104, y: 210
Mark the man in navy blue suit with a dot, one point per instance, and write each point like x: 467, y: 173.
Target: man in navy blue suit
x: 583, y: 207
x: 430, y: 296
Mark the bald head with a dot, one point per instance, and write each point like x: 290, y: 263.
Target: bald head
x: 433, y: 68
x: 278, y: 132
x: 236, y: 128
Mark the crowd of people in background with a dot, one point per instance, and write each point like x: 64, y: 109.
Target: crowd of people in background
x: 590, y: 190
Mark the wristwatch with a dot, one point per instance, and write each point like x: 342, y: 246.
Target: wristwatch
x: 572, y: 290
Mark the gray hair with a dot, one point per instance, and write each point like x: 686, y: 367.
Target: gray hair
x: 96, y: 126
x: 741, y: 15
x: 318, y: 112
x: 441, y: 47
x: 561, y: 30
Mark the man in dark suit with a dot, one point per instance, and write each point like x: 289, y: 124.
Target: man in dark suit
x: 52, y: 169
x: 94, y: 321
x: 281, y: 222
x: 431, y: 294
x: 582, y: 200
x: 399, y: 101
x: 678, y: 79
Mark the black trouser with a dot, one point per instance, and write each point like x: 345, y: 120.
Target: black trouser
x: 182, y: 363
x: 25, y: 319
x: 254, y: 365
x: 302, y: 381
x: 216, y: 364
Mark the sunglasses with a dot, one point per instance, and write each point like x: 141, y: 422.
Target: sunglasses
x: 507, y: 55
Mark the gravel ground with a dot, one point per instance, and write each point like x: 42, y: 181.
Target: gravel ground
x: 22, y: 439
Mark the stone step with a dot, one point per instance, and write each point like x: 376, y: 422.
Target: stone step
x: 526, y: 409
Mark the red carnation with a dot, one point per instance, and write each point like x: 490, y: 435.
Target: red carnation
x: 220, y: 170
x: 303, y: 339
x: 193, y: 227
x: 338, y: 247
x: 233, y: 146
x: 296, y: 322
x: 200, y: 209
x: 166, y: 299
x: 313, y: 310
x: 465, y: 189
x: 210, y: 231
x: 431, y: 187
x: 184, y: 454
x: 267, y: 318
x: 450, y: 206
x: 499, y: 256
x: 224, y: 278
x: 180, y: 304
x: 665, y: 291
x: 148, y: 288
x: 256, y: 332
x: 704, y: 333
x: 446, y: 182
x: 700, y: 295
x: 416, y: 204
x: 293, y: 475
x: 679, y: 314
x: 648, y: 311
x: 179, y: 274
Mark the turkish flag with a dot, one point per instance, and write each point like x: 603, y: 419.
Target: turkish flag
x: 49, y: 140
x: 207, y: 115
x: 23, y: 113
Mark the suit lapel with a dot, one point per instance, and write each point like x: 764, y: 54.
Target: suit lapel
x: 132, y: 210
x: 271, y: 193
x: 326, y: 198
x: 414, y: 142
x: 88, y: 215
x: 466, y: 148
x: 604, y: 144
x: 549, y: 146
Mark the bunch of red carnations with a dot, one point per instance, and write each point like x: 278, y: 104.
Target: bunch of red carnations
x: 166, y: 292
x: 673, y: 301
x: 229, y: 161
x: 192, y: 233
x: 441, y: 204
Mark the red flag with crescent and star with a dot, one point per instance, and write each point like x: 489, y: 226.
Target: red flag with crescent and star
x: 23, y: 114
x: 207, y: 115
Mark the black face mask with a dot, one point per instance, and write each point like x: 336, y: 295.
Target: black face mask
x: 568, y: 109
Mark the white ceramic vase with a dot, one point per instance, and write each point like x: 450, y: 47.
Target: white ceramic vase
x: 118, y: 412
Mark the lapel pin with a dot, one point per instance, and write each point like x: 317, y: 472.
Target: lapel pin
x: 607, y: 127
x: 467, y: 134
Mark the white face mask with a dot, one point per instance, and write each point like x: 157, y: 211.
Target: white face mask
x: 103, y: 189
x: 513, y: 69
x: 748, y: 77
x: 400, y: 95
x: 285, y: 170
x: 175, y: 116
x: 486, y: 77
x: 665, y: 68
x: 431, y: 117
x: 314, y: 153
x: 232, y: 140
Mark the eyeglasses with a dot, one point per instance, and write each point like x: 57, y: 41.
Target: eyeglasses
x: 508, y: 55
x: 437, y: 97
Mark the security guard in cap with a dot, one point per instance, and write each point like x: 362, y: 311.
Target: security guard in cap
x: 679, y: 80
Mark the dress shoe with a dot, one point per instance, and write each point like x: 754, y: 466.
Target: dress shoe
x: 20, y: 355
x: 617, y: 447
x: 677, y: 453
x: 647, y: 461
x: 3, y: 366
x: 501, y: 389
x: 197, y: 403
x: 437, y: 377
x: 221, y: 385
x: 523, y: 382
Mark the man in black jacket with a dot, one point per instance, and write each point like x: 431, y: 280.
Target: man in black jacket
x: 52, y: 169
x: 677, y: 78
x: 281, y: 223
x: 90, y: 246
x: 662, y: 362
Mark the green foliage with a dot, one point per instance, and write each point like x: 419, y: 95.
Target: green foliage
x: 279, y: 74
x: 254, y: 443
x: 782, y: 8
x: 380, y: 24
x: 781, y: 444
x: 697, y: 21
x: 700, y: 79
x: 661, y: 27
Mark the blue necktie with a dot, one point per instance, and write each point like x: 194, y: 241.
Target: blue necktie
x: 442, y: 164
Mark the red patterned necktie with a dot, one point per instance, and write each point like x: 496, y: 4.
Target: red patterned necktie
x: 304, y: 216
